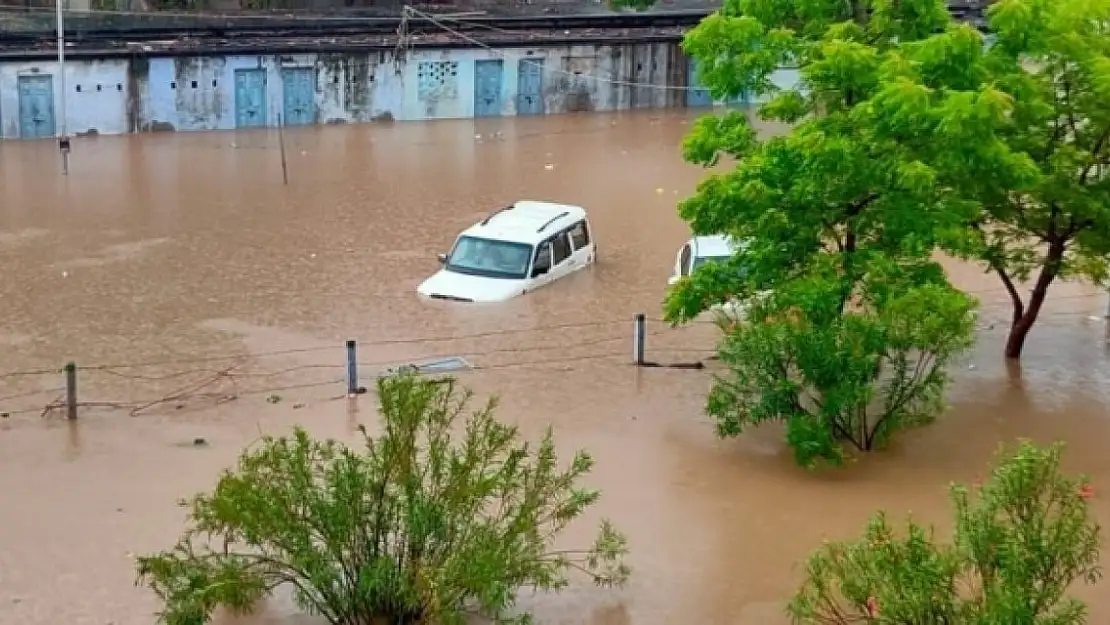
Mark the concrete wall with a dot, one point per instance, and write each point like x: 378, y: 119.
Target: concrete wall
x: 198, y: 93
x: 97, y: 98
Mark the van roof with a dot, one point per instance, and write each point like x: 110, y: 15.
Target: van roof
x: 713, y: 245
x: 527, y: 221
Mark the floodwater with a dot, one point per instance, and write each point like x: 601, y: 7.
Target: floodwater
x: 173, y: 267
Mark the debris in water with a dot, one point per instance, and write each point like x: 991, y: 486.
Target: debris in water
x: 971, y: 367
x: 65, y: 274
x: 549, y: 166
x: 273, y: 399
x: 199, y: 442
x: 298, y: 406
x: 1093, y: 318
x: 659, y: 191
x: 478, y: 137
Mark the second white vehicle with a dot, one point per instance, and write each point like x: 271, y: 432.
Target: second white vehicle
x: 699, y: 251
x: 515, y: 250
x: 702, y: 250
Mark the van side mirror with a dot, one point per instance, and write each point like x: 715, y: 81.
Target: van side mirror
x: 442, y: 258
x: 539, y: 270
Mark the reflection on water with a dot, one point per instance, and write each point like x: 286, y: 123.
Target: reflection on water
x: 166, y: 249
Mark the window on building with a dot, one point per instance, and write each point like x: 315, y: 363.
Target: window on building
x: 437, y: 80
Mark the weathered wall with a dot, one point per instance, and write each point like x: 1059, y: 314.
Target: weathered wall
x: 574, y: 78
x: 97, y: 94
x: 222, y: 93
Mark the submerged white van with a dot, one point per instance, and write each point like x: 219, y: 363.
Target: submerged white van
x: 699, y: 251
x: 702, y: 250
x: 515, y: 250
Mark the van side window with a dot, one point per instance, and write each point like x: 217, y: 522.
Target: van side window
x: 685, y: 261
x: 580, y: 235
x: 543, y: 255
x: 560, y: 248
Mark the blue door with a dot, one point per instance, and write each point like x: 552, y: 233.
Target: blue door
x: 487, y: 87
x: 250, y: 98
x: 695, y: 96
x: 299, y: 85
x: 529, y: 87
x: 36, y: 106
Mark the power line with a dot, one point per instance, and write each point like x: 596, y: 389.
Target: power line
x: 308, y: 350
x: 49, y: 391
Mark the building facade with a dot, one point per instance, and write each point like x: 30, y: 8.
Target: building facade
x: 180, y: 92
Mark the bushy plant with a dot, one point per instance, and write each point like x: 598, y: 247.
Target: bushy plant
x: 1022, y: 538
x: 444, y: 512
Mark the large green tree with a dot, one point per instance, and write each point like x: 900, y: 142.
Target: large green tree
x: 1034, y: 169
x: 444, y: 513
x: 839, y: 221
x: 1017, y: 133
x: 1021, y: 540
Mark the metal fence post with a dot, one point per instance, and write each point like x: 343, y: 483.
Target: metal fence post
x: 71, y: 391
x: 638, y: 341
x: 352, y: 367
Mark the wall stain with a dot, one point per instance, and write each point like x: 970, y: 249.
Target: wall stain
x: 138, y: 83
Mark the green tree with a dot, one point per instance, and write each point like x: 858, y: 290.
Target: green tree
x: 443, y: 513
x: 1036, y: 172
x: 1022, y: 539
x: 839, y: 221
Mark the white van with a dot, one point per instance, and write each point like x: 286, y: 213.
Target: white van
x: 699, y: 251
x: 515, y: 250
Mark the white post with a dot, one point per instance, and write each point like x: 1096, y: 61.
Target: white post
x: 60, y: 121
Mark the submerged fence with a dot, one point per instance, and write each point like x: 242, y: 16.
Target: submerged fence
x: 209, y: 372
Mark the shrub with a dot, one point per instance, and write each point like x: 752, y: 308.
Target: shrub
x: 445, y: 512
x: 1022, y: 538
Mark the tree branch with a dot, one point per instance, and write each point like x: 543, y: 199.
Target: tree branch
x: 1069, y: 111
x: 1011, y: 289
x: 1095, y: 149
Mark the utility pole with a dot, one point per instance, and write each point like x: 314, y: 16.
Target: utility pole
x: 60, y: 119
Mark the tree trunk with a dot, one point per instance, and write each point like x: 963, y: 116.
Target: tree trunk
x: 1023, y: 323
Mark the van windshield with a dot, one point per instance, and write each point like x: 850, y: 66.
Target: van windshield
x: 489, y: 258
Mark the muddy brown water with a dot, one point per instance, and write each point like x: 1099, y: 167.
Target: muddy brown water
x: 165, y: 249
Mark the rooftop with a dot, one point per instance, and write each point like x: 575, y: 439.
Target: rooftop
x: 527, y: 221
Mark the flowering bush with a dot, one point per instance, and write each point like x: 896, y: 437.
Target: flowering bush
x: 1022, y: 538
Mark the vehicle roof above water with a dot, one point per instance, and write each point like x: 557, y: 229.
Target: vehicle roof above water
x: 713, y: 245
x: 520, y: 221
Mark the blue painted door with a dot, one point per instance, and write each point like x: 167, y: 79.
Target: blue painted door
x: 487, y: 87
x: 36, y: 106
x: 695, y: 96
x: 250, y: 98
x: 529, y: 87
x: 299, y: 86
